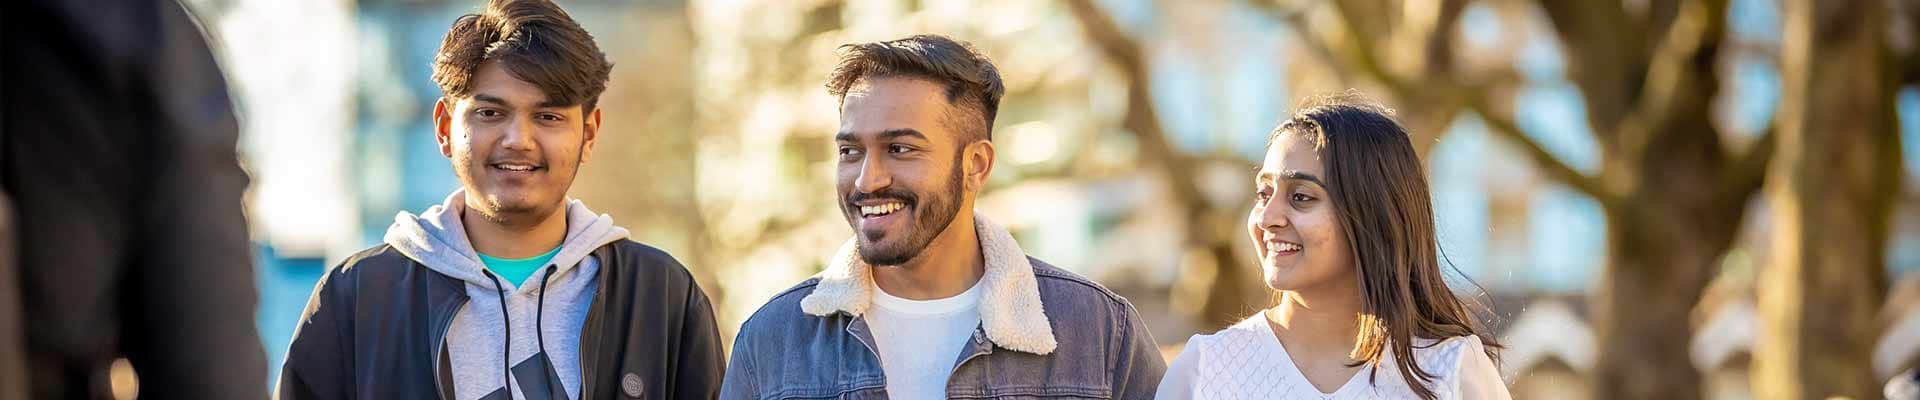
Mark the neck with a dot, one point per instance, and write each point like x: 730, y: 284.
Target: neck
x: 1306, y: 320
x: 534, y: 237
x: 947, y: 267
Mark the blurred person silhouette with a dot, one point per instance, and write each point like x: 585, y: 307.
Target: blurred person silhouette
x: 117, y: 144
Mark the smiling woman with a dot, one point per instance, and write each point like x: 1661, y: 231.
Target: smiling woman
x: 1344, y: 228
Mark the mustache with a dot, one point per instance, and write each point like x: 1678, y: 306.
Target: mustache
x: 889, y: 193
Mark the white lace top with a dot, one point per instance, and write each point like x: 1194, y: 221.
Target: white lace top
x: 1246, y: 361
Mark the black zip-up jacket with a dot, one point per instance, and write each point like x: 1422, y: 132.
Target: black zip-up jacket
x: 378, y: 321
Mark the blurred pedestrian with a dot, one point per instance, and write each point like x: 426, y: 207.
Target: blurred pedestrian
x: 118, y: 140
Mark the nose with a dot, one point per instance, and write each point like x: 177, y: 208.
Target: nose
x: 518, y: 135
x: 1273, y: 217
x: 873, y: 176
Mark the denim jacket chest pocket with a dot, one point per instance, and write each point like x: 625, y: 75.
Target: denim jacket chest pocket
x: 982, y: 372
x: 988, y: 372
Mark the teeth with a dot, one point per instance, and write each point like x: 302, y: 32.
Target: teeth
x: 515, y: 167
x: 1284, y: 246
x: 879, y: 210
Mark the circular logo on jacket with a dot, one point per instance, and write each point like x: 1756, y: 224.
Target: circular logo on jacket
x: 632, y: 385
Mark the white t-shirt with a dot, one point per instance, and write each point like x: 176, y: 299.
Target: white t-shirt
x: 1246, y: 361
x: 919, y: 340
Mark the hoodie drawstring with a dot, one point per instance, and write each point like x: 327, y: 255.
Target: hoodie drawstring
x: 506, y: 348
x: 539, y: 316
x: 540, y: 308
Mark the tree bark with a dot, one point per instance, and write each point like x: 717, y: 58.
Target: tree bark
x: 1832, y: 192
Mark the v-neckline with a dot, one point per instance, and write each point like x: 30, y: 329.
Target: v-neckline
x: 1296, y: 374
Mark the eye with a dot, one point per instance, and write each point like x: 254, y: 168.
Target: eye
x: 1301, y: 198
x: 549, y: 117
x: 898, y: 149
x: 847, y: 150
x: 488, y: 113
x: 1262, y: 194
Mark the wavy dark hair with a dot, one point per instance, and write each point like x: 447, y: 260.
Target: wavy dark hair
x: 972, y: 83
x: 1379, y: 186
x: 535, y: 41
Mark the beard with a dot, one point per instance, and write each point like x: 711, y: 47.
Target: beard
x: 930, y: 218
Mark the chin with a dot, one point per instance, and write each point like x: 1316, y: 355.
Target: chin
x: 882, y: 253
x: 1275, y: 279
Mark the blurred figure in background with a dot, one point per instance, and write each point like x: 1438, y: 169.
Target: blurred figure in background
x: 509, y: 289
x: 119, y: 160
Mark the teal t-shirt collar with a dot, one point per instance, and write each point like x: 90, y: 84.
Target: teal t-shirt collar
x: 516, y: 271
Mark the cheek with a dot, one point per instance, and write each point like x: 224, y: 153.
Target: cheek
x: 1322, y: 233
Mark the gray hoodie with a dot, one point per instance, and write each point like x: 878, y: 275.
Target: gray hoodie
x: 540, y: 334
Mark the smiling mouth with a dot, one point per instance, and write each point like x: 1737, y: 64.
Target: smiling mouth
x: 1283, y: 248
x: 516, y: 167
x: 882, y: 209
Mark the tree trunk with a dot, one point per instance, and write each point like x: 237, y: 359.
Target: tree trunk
x: 1661, y: 252
x: 1644, y: 304
x: 1832, y: 190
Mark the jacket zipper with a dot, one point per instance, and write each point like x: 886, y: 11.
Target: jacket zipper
x: 440, y: 350
x: 590, y: 333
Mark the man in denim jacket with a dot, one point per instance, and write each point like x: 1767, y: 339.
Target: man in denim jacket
x: 930, y: 299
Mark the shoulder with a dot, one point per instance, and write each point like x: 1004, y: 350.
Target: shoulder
x: 1461, y: 362
x: 1466, y: 369
x: 636, y: 254
x: 643, y: 263
x: 780, y: 312
x: 1448, y: 353
x: 1239, y: 337
x: 368, y: 269
x: 1058, y: 285
x: 381, y: 259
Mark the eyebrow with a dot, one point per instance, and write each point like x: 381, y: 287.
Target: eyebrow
x: 1291, y: 174
x: 884, y: 135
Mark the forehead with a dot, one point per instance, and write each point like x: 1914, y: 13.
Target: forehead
x: 1292, y: 152
x: 492, y: 80
x: 874, y: 105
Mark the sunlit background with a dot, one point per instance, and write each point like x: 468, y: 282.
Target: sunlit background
x: 717, y: 148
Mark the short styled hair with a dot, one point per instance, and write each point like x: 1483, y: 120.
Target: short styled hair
x: 972, y: 82
x: 533, y: 40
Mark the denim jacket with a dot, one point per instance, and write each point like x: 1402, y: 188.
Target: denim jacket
x: 1044, y: 333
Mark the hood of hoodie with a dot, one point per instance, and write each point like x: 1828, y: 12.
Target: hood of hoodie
x: 437, y: 239
x: 527, y: 330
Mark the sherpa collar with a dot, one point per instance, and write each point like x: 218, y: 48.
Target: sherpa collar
x: 1010, y: 309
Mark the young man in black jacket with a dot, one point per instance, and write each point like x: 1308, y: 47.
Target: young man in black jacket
x: 509, y: 290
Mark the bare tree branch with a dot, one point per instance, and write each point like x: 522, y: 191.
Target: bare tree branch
x: 1504, y: 127
x: 1680, y: 71
x: 1228, y: 295
x: 1474, y: 99
x: 1605, y: 47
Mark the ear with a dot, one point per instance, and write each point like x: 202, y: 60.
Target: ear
x: 589, y: 133
x: 977, y: 164
x: 443, y: 126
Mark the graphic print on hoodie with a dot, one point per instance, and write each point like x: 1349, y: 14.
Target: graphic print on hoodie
x: 539, y: 332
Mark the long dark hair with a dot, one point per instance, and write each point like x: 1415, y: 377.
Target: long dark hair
x: 1379, y: 186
